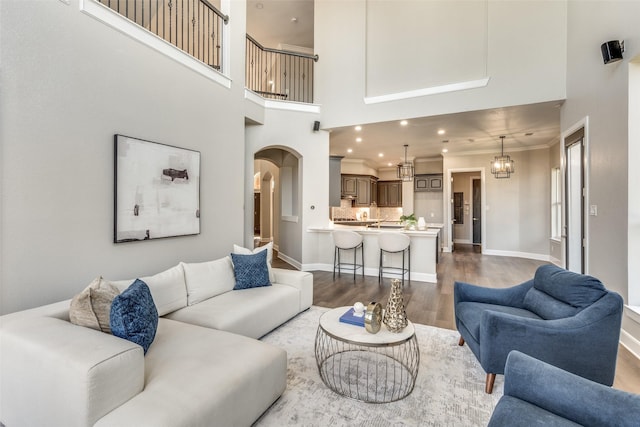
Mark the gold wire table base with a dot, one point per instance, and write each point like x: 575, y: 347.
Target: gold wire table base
x: 373, y: 373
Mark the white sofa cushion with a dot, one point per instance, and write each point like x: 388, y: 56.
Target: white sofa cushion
x: 250, y: 312
x: 168, y: 289
x: 208, y: 279
x: 55, y: 373
x: 301, y: 280
x: 202, y: 377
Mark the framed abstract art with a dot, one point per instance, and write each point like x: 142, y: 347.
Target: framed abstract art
x: 157, y: 190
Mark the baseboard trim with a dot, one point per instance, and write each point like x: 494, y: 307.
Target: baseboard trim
x: 556, y: 261
x: 292, y: 262
x: 528, y: 255
x: 630, y: 343
x: 463, y: 241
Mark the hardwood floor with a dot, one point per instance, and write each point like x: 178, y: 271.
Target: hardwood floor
x: 432, y: 303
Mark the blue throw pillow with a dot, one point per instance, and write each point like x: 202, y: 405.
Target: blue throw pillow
x: 251, y: 270
x: 134, y: 316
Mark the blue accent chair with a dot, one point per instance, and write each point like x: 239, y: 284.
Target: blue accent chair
x: 539, y: 394
x: 563, y: 318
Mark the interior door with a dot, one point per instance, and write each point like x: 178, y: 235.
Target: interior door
x: 477, y: 211
x: 574, y: 202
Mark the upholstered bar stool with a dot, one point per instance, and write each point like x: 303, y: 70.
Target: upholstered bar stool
x: 346, y: 240
x: 395, y: 243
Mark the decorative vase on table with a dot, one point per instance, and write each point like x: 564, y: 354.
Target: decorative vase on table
x: 395, y: 316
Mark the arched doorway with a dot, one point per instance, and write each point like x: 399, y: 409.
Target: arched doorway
x: 279, y: 172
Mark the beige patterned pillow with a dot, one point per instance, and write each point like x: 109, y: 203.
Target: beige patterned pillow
x: 92, y: 306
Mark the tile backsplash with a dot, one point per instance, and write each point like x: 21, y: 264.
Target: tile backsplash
x: 345, y: 211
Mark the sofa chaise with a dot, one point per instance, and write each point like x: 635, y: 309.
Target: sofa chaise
x: 205, y: 366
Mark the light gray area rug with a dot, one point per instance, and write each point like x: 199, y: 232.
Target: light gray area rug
x: 449, y: 389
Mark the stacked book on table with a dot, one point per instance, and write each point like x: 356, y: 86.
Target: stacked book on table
x: 352, y: 318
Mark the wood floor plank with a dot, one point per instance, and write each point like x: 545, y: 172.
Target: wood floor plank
x: 432, y: 303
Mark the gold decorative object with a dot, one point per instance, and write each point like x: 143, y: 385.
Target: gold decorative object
x: 395, y: 316
x: 373, y: 317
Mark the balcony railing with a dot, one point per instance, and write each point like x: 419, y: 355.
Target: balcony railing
x: 279, y: 74
x: 194, y: 26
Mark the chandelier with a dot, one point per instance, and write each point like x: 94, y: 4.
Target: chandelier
x: 502, y: 166
x: 405, y: 170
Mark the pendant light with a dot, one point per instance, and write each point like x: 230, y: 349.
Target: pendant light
x: 405, y: 170
x: 502, y: 166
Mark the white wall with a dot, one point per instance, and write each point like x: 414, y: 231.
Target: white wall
x: 292, y: 131
x: 601, y: 93
x: 356, y: 167
x: 517, y: 209
x: 69, y: 83
x: 525, y: 61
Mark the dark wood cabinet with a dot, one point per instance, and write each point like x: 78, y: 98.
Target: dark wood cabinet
x: 374, y: 191
x: 359, y: 188
x: 389, y: 194
x: 349, y: 186
x: 427, y: 182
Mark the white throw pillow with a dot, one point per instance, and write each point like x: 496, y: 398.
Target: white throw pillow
x: 208, y: 279
x: 167, y: 288
x: 268, y: 247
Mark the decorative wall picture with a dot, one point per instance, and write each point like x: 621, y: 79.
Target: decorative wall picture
x: 157, y: 190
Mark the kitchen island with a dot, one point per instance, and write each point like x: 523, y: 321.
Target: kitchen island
x: 423, y: 250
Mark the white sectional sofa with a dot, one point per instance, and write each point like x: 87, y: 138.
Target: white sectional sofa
x: 204, y: 367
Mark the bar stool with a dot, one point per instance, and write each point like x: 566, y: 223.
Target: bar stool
x: 395, y: 243
x: 347, y: 240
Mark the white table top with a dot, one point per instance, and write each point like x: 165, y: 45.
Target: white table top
x: 331, y: 324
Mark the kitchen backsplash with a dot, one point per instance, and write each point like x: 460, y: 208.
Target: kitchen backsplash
x: 345, y: 211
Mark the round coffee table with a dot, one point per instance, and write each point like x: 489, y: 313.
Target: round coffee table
x: 375, y: 368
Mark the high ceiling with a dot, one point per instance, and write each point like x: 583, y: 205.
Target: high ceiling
x: 275, y: 23
x: 524, y: 127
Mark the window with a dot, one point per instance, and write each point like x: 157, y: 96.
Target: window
x: 556, y: 204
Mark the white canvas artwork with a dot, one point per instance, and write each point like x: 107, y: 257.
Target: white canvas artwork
x: 157, y: 190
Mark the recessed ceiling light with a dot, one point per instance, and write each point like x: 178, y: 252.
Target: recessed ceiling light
x: 404, y: 123
x: 441, y: 132
x: 471, y: 140
x: 444, y: 150
x: 358, y: 139
x: 358, y: 128
x: 389, y: 164
x: 528, y: 134
x: 349, y: 150
x: 445, y: 141
x: 380, y: 155
x: 294, y: 20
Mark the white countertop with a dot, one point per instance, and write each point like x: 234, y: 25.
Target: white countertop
x: 429, y: 232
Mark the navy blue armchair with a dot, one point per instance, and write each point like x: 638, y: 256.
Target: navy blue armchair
x: 563, y: 318
x: 538, y: 394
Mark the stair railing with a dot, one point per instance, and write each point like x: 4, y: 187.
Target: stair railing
x: 279, y: 74
x: 194, y: 26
